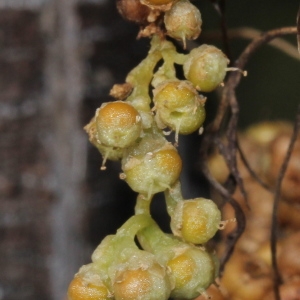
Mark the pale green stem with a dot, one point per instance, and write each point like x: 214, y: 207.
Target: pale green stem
x: 173, y: 196
x: 111, y: 250
x: 143, y: 205
x: 140, y: 77
x: 133, y: 225
x: 162, y: 245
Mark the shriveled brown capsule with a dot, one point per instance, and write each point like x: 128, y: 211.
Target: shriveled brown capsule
x: 157, y: 2
x: 133, y: 10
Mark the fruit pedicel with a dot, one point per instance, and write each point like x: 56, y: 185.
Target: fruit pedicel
x: 133, y: 129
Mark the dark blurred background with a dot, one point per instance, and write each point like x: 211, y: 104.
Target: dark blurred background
x: 58, y: 61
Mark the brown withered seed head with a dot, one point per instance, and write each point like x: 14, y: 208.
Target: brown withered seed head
x: 121, y: 91
x: 133, y: 10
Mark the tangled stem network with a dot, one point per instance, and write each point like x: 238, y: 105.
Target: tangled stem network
x: 229, y: 151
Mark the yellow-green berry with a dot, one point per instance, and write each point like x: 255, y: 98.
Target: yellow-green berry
x: 205, y: 67
x: 152, y: 166
x: 183, y: 21
x: 87, y: 285
x: 196, y: 221
x: 179, y: 106
x: 118, y: 124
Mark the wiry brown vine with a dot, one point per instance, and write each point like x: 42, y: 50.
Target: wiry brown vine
x: 222, y: 133
x: 273, y: 239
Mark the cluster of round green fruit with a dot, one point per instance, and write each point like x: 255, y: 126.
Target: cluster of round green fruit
x: 166, y: 266
x: 131, y: 129
x: 163, y: 265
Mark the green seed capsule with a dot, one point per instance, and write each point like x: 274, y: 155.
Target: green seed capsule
x: 144, y: 283
x: 205, y: 67
x: 179, y: 106
x: 183, y: 21
x: 193, y: 271
x: 152, y: 166
x: 108, y: 152
x: 118, y: 124
x: 88, y: 285
x: 196, y: 221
